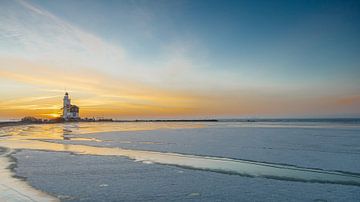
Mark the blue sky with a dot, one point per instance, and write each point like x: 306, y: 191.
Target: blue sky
x: 293, y: 53
x: 277, y: 38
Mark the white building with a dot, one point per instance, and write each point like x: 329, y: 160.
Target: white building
x: 70, y: 112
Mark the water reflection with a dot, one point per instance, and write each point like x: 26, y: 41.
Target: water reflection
x: 67, y: 130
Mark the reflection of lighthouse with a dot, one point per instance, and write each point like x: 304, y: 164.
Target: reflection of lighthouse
x: 70, y: 112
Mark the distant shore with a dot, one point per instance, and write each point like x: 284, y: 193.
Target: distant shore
x: 16, y: 123
x: 86, y: 120
x: 12, y: 123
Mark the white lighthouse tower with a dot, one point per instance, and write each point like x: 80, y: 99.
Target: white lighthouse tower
x: 70, y: 112
x: 66, y: 106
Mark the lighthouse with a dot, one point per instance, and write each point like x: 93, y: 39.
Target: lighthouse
x: 70, y: 112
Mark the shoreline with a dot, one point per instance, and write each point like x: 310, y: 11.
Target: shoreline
x: 269, y: 120
x: 16, y: 123
x: 13, y: 188
x: 347, y: 121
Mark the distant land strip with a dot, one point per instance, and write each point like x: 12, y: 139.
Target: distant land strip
x: 269, y: 120
x: 16, y: 123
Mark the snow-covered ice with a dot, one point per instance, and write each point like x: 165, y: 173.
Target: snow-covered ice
x: 168, y: 155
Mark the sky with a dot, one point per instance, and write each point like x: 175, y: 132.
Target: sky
x: 180, y: 59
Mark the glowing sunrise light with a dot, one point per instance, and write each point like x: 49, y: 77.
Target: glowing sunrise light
x: 146, y: 66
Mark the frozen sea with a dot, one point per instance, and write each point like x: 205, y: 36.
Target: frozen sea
x: 266, y: 160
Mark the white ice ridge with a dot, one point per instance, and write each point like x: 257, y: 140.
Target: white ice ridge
x: 214, y: 164
x: 16, y: 190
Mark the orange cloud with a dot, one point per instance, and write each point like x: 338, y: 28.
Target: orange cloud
x: 352, y: 100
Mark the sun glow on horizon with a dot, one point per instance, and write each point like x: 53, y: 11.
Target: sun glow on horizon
x: 153, y: 67
x: 52, y: 115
